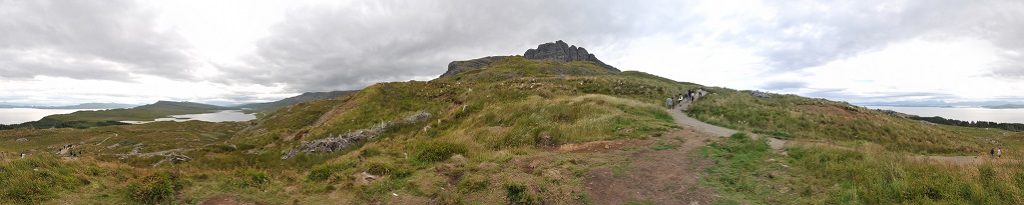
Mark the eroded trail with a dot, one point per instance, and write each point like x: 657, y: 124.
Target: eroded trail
x: 668, y: 176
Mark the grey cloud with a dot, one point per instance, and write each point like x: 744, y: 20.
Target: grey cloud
x: 814, y: 33
x: 783, y: 85
x: 372, y: 41
x: 874, y: 97
x: 86, y: 40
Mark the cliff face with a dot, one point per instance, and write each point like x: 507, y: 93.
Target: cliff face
x: 462, y: 66
x: 556, y: 51
x: 560, y: 51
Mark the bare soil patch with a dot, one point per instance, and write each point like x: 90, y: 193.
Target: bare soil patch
x: 670, y: 176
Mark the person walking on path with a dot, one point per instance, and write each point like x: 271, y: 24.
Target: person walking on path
x: 999, y: 152
x: 668, y: 103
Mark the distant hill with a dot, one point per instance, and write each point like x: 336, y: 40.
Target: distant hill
x: 160, y: 109
x: 1006, y: 106
x: 270, y: 106
x: 78, y: 106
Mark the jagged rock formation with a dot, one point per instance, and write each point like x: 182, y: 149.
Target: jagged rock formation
x: 560, y: 51
x: 332, y: 144
x: 556, y: 51
x: 462, y: 66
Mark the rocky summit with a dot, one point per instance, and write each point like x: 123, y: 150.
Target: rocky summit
x: 557, y: 51
x: 561, y: 51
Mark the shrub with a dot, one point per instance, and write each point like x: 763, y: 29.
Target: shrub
x: 324, y: 172
x: 250, y: 178
x: 436, y: 151
x: 520, y: 194
x: 155, y: 188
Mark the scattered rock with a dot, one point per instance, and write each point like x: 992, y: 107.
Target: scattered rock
x: 335, y: 143
x: 67, y: 151
x: 364, y: 178
x: 21, y: 140
x: 761, y: 94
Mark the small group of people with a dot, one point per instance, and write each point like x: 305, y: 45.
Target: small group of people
x: 689, y: 96
x: 996, y: 152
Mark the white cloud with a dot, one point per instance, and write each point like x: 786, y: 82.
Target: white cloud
x: 140, y: 51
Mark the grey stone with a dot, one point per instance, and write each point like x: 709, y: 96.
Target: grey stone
x: 332, y: 144
x: 67, y: 151
x: 556, y: 51
x: 563, y: 52
x: 456, y: 67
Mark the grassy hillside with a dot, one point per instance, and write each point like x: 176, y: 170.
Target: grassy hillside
x: 490, y: 139
x: 795, y: 117
x: 492, y: 136
x: 845, y: 154
x: 304, y: 97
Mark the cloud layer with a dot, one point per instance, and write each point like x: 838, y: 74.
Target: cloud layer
x: 855, y: 50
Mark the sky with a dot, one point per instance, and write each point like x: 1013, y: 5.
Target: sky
x: 225, y: 52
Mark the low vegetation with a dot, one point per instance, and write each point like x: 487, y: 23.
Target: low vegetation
x: 491, y: 138
x: 794, y: 117
x: 748, y: 172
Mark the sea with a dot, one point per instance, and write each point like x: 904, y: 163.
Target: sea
x: 20, y: 115
x: 962, y: 113
x: 220, y: 116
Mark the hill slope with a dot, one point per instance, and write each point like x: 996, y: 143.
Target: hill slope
x: 304, y: 97
x: 508, y: 130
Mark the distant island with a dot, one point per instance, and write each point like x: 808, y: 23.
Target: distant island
x: 78, y: 106
x: 1005, y: 106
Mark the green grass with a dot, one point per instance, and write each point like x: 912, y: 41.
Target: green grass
x: 36, y: 179
x: 746, y: 171
x: 794, y: 117
x: 503, y: 121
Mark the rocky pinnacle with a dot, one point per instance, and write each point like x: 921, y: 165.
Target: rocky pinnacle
x: 560, y: 51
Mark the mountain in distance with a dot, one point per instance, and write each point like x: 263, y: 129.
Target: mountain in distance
x: 182, y: 107
x: 1005, y: 106
x: 270, y: 106
x: 78, y: 106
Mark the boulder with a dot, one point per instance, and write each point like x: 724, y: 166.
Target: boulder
x: 67, y: 151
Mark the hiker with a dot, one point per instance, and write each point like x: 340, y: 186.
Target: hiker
x: 999, y: 152
x: 668, y: 103
x: 992, y: 152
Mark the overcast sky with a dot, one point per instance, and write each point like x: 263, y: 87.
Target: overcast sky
x: 75, y: 51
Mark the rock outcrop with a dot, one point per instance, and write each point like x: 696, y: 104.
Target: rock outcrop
x: 462, y: 66
x: 67, y: 151
x: 561, y: 51
x: 556, y: 51
x: 332, y: 144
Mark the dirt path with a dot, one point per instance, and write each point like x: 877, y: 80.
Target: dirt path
x: 686, y: 121
x: 670, y: 176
